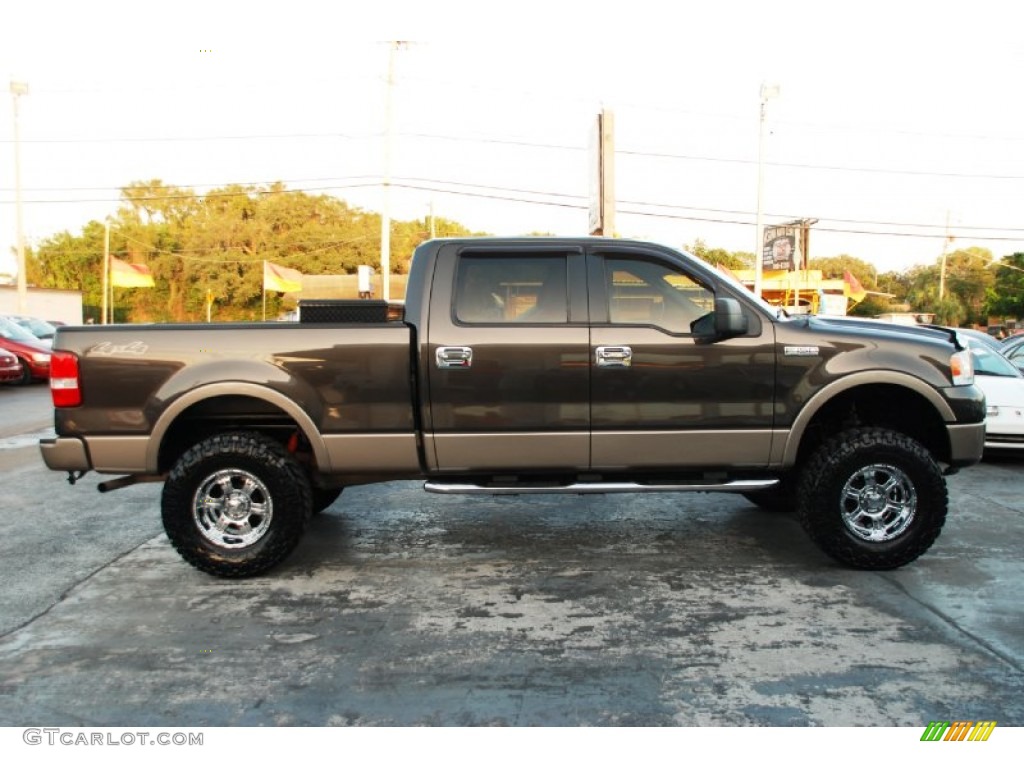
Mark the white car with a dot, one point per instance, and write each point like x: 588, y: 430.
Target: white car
x: 1003, y: 385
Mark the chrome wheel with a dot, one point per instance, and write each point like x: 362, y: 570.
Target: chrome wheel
x: 878, y: 502
x: 232, y: 508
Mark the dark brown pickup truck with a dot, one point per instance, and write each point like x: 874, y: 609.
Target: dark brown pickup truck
x: 527, y: 365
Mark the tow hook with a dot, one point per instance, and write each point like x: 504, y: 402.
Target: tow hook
x: 74, y: 477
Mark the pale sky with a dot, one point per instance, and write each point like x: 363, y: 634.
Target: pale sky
x: 892, y: 118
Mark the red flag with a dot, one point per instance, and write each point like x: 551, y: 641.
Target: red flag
x: 852, y: 287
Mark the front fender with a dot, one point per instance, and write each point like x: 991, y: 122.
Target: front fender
x: 786, y: 451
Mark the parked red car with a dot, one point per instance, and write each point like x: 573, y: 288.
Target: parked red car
x: 10, y: 366
x: 30, y: 351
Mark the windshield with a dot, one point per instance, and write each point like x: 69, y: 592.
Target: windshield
x: 35, y: 326
x: 15, y: 332
x: 990, y: 363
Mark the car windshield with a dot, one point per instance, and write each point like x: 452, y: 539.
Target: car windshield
x: 14, y: 332
x: 35, y: 326
x: 990, y: 363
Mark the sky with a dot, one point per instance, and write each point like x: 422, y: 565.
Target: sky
x: 896, y: 124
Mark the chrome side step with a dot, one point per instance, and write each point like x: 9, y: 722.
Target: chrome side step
x: 732, y: 486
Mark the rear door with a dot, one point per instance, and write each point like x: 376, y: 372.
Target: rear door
x: 507, y: 360
x: 662, y: 395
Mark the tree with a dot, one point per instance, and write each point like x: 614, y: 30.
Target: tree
x: 836, y: 267
x: 964, y: 287
x: 1005, y: 297
x: 721, y: 257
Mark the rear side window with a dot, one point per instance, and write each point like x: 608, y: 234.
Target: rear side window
x: 515, y: 289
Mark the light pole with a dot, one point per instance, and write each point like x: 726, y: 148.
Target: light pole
x: 19, y: 89
x: 385, y: 215
x: 767, y: 92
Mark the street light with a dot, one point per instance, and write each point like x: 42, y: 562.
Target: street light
x: 19, y: 89
x: 768, y: 91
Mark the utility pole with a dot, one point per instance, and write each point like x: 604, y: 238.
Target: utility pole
x: 602, y: 183
x: 942, y: 270
x: 19, y: 89
x: 767, y: 92
x: 106, y: 270
x: 385, y: 216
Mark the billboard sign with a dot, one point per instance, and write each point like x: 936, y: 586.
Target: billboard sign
x: 782, y: 249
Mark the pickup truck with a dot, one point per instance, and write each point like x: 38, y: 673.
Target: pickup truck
x: 519, y: 366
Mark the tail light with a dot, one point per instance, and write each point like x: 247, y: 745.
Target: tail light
x: 65, y: 386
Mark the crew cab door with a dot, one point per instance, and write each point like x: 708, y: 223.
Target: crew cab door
x: 506, y: 360
x: 664, y: 394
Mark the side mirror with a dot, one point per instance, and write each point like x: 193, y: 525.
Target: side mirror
x: 729, y: 319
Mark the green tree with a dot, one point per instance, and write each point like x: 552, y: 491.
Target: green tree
x: 735, y: 260
x: 836, y: 267
x: 1005, y: 297
x: 964, y: 285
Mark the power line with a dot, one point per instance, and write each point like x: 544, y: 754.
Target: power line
x: 547, y: 146
x: 580, y: 202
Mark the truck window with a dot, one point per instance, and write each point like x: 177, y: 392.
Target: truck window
x: 518, y: 289
x: 649, y: 293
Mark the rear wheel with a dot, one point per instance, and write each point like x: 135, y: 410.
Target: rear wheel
x: 236, y: 504
x: 873, y: 499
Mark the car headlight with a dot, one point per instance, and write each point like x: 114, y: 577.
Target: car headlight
x: 991, y: 410
x: 961, y: 367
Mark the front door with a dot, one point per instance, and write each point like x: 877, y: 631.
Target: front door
x: 662, y: 396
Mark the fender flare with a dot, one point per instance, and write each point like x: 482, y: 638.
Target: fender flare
x: 246, y: 389
x: 864, y: 378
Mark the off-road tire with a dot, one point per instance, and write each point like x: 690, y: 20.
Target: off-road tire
x: 872, y: 498
x: 236, y: 504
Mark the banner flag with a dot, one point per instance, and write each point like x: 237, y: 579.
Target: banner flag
x: 283, y: 279
x: 125, y: 275
x: 852, y: 287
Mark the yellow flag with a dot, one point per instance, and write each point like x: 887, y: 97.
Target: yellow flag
x: 125, y: 275
x: 278, y: 278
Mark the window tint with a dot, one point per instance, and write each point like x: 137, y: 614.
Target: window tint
x: 519, y: 289
x: 648, y: 293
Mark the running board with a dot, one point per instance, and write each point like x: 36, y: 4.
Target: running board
x: 733, y: 486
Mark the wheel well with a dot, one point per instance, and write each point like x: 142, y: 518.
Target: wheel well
x: 228, y: 413
x: 878, y: 405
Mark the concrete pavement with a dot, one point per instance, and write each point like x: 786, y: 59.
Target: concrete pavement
x: 403, y: 608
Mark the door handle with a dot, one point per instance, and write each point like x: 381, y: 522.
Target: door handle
x: 614, y: 357
x: 454, y: 357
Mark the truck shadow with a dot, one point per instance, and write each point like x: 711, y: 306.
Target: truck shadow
x: 705, y: 530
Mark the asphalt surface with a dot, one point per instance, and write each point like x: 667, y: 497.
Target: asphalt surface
x: 404, y: 608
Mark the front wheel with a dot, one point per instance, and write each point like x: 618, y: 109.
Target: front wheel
x: 873, y: 499
x: 236, y: 504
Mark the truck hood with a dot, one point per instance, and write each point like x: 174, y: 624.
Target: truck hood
x: 869, y: 327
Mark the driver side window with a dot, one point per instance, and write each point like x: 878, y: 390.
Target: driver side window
x: 649, y: 293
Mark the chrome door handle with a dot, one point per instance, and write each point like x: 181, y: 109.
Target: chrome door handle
x: 614, y: 357
x: 454, y: 357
